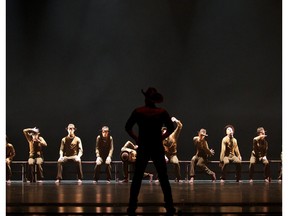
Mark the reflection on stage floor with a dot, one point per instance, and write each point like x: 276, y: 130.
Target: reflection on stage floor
x: 88, y: 198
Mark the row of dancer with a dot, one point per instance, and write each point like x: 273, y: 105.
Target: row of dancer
x: 71, y: 150
x: 230, y: 154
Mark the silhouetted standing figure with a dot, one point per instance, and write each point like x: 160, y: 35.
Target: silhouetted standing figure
x: 150, y: 120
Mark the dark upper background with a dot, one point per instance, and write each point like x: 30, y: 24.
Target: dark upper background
x: 85, y: 62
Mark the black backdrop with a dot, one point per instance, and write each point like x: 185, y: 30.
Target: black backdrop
x: 85, y: 62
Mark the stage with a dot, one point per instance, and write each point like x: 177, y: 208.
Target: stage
x: 87, y: 198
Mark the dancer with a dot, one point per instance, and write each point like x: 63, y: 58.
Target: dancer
x: 104, y: 151
x: 280, y: 172
x: 230, y: 153
x: 10, y: 154
x: 259, y: 154
x: 71, y: 150
x: 36, y: 143
x: 128, y: 156
x: 201, y: 157
x: 170, y: 147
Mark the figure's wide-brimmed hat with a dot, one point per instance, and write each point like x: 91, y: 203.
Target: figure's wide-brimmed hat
x: 203, y: 132
x: 229, y: 126
x: 153, y: 95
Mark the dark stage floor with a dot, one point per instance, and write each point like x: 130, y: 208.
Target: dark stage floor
x: 200, y: 198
